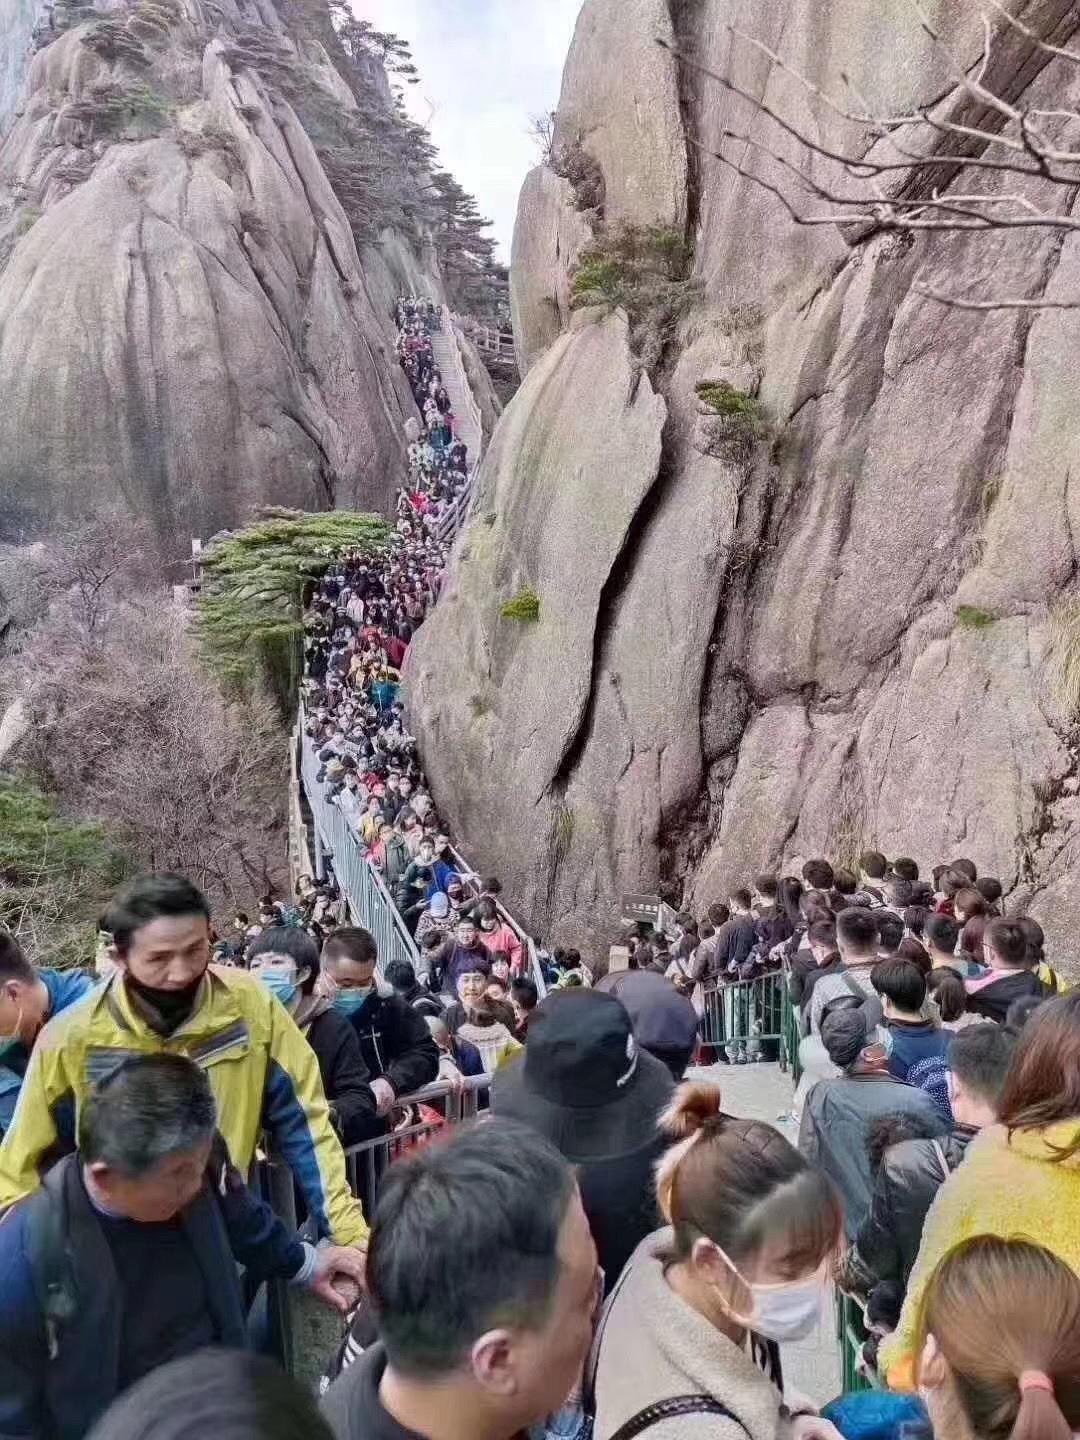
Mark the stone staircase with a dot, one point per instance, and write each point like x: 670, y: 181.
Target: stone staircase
x: 466, y: 414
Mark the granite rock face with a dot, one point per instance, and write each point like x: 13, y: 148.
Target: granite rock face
x: 187, y: 328
x: 853, y: 630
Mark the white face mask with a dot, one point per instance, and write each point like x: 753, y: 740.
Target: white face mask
x: 787, y: 1311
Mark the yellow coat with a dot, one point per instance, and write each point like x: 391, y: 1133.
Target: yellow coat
x: 263, y: 1073
x: 1011, y: 1188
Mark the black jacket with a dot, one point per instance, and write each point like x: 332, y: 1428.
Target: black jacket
x: 345, y: 1075
x: 61, y: 1304
x: 395, y: 1041
x: 993, y: 1000
x: 910, y: 1176
x: 734, y: 941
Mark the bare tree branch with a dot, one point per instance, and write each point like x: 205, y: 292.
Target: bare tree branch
x: 901, y: 185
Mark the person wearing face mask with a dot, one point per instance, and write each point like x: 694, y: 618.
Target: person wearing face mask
x: 396, y: 1044
x: 286, y: 960
x: 166, y: 995
x: 28, y: 998
x: 703, y: 1305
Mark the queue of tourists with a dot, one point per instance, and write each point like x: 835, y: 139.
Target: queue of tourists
x: 607, y: 1249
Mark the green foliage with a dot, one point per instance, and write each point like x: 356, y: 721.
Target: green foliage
x: 525, y: 606
x: 972, y: 618
x: 250, y: 610
x: 644, y: 269
x: 122, y: 108
x: 736, y: 421
x: 723, y: 399
x: 55, y: 875
x: 29, y: 215
x: 381, y: 163
x: 574, y: 163
x: 599, y: 280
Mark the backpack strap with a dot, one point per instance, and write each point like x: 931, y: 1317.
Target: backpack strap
x: 670, y: 1409
x: 47, y: 1252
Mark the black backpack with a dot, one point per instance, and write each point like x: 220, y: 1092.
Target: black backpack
x: 858, y: 999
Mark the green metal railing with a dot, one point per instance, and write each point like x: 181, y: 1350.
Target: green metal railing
x: 745, y: 1017
x: 754, y: 1017
x: 852, y: 1334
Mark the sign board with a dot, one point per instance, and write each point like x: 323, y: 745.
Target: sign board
x: 618, y: 958
x: 647, y: 908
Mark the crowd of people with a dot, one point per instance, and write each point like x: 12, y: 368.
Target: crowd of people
x: 606, y: 1250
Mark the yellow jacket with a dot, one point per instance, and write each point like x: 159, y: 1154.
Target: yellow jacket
x: 263, y: 1073
x: 1012, y: 1188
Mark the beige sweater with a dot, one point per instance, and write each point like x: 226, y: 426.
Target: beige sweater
x: 653, y: 1346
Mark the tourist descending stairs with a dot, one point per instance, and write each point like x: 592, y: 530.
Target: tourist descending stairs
x: 466, y: 412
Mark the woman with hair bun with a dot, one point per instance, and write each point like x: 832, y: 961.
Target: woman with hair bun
x: 690, y: 1333
x: 999, y: 1343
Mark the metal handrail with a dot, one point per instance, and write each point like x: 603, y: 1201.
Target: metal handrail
x: 528, y: 944
x: 454, y: 517
x: 370, y: 901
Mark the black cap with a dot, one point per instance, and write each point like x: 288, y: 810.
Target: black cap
x: 583, y: 1081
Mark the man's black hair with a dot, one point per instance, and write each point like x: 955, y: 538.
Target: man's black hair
x: 900, y: 981
x: 350, y: 942
x: 857, y: 929
x: 13, y: 963
x: 890, y: 929
x: 524, y: 991
x: 906, y: 868
x: 873, y: 863
x: 818, y: 874
x: 292, y: 941
x: 465, y: 1237
x: 980, y: 1056
x: 942, y: 932
x: 147, y: 1108
x: 898, y: 890
x: 822, y: 932
x: 401, y: 975
x: 228, y: 1394
x: 148, y: 898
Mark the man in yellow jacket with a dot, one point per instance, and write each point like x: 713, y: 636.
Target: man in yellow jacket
x: 167, y: 998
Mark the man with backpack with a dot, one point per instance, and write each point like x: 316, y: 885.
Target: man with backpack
x: 838, y: 1113
x: 127, y: 1255
x: 857, y: 941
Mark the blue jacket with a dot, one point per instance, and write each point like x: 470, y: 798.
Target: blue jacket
x: 65, y: 987
x: 912, y: 1042
x: 60, y: 1301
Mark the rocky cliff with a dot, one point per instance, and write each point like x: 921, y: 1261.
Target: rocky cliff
x: 846, y: 614
x: 194, y: 317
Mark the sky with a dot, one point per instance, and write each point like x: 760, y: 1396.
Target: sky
x: 486, y: 66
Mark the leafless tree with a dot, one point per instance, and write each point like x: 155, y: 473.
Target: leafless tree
x: 542, y: 133
x: 136, y: 733
x: 127, y: 727
x: 983, y: 132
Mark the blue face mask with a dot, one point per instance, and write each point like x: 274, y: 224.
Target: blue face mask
x: 350, y: 1001
x: 279, y: 983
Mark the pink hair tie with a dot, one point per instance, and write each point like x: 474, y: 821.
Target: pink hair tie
x: 1035, y: 1380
